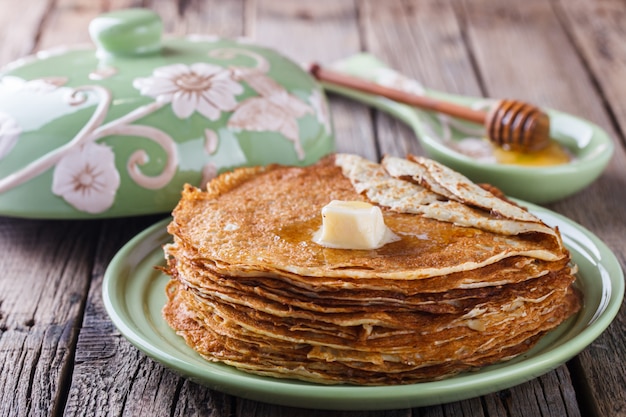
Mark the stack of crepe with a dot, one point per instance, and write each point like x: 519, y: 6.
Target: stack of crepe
x: 473, y: 280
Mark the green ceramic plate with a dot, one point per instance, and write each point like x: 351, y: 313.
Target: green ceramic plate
x: 134, y: 294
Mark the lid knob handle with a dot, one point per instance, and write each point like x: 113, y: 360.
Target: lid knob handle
x: 128, y: 32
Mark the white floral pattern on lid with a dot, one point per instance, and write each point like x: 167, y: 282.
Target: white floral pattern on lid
x: 38, y: 85
x: 320, y: 108
x: 200, y: 87
x: 392, y: 78
x: 87, y: 178
x: 87, y: 172
x: 9, y: 133
x: 274, y: 110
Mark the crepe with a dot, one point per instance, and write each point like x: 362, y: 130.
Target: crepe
x: 472, y: 280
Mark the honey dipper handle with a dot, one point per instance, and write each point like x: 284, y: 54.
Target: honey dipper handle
x: 427, y: 103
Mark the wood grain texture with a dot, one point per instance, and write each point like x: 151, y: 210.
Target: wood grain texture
x: 598, y: 29
x: 324, y: 30
x: 110, y: 376
x: 521, y: 51
x: 69, y: 14
x: 408, y: 36
x: 60, y: 353
x: 321, y: 31
x: 225, y: 19
x: 41, y: 301
x: 423, y: 40
x: 20, y: 25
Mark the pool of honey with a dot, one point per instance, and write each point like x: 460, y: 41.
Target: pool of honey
x: 553, y: 154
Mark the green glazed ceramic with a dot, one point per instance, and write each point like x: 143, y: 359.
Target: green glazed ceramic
x: 118, y: 129
x: 134, y: 295
x: 441, y: 136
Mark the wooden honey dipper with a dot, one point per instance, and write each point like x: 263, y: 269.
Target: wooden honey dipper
x: 510, y: 124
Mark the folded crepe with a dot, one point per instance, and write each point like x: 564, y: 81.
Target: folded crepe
x: 472, y: 278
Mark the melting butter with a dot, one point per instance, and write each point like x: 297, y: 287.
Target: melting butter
x: 353, y: 225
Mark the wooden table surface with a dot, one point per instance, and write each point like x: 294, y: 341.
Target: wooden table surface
x: 60, y: 353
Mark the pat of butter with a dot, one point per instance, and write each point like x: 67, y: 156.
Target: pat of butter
x: 353, y: 225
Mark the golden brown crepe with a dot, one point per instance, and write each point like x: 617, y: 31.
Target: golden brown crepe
x: 474, y: 279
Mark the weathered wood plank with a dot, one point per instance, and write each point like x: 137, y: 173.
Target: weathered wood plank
x: 112, y: 377
x: 46, y: 272
x: 252, y: 408
x: 598, y: 29
x: 549, y: 395
x: 68, y: 22
x: 322, y: 31
x: 69, y: 14
x: 422, y: 40
x: 20, y: 28
x: 225, y: 19
x: 575, y: 63
x: 521, y: 51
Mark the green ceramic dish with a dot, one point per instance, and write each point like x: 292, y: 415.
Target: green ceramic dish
x: 134, y: 295
x: 117, y: 130
x: 590, y: 146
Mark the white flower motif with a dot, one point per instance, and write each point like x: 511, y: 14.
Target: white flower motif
x: 273, y: 110
x: 38, y: 85
x: 320, y: 107
x: 9, y: 133
x: 392, y: 78
x: 211, y: 141
x: 201, y: 87
x: 87, y: 178
x: 102, y: 73
x: 198, y: 37
x: 209, y: 171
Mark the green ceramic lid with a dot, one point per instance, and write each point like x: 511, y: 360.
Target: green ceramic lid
x: 118, y: 129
